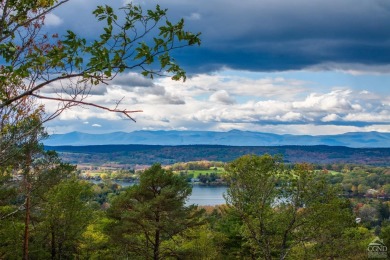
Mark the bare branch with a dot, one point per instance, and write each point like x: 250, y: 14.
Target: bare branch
x: 37, y: 87
x: 116, y: 110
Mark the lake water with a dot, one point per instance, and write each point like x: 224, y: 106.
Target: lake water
x: 201, y: 195
x: 207, y: 195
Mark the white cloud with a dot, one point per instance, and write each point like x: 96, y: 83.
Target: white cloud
x: 222, y: 96
x: 289, y: 116
x: 330, y: 118
x: 194, y: 17
x: 263, y: 88
x: 224, y: 101
x: 382, y: 116
x: 335, y: 101
x: 52, y: 20
x: 96, y: 125
x: 270, y: 107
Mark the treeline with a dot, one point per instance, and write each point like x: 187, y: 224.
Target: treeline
x: 148, y: 154
x: 273, y: 210
x: 196, y: 165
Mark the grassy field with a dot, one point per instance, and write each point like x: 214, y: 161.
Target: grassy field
x: 196, y: 173
x: 330, y: 172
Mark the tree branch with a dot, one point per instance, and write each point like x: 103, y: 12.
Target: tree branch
x: 39, y: 86
x: 10, y: 33
x: 125, y: 112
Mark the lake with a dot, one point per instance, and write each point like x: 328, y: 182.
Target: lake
x: 207, y: 195
x: 201, y: 195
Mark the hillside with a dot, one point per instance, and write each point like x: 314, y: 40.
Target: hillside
x: 149, y: 154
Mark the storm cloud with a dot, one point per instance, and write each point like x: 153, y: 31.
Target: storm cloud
x: 269, y: 35
x: 276, y: 35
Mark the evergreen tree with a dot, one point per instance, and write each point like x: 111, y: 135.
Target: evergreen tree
x: 149, y: 215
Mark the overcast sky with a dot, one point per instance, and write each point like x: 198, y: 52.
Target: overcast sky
x: 297, y: 67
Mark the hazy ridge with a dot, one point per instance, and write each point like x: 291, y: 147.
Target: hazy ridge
x: 231, y: 138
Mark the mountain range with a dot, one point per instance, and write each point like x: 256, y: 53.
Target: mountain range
x: 231, y: 138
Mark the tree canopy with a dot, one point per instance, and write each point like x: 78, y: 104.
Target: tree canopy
x: 281, y: 208
x: 150, y: 215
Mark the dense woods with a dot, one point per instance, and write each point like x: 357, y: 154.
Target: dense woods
x: 273, y: 210
x: 148, y: 154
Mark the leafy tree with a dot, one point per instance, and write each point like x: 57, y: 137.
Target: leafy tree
x: 95, y: 243
x: 227, y: 227
x: 368, y: 213
x: 347, y: 240
x: 385, y: 235
x: 386, y: 189
x: 252, y: 193
x: 383, y: 211
x: 196, y: 243
x: 149, y: 215
x: 362, y: 189
x: 24, y: 194
x: 34, y: 59
x: 65, y: 215
x: 281, y: 209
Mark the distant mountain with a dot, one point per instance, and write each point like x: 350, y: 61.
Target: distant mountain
x: 232, y: 138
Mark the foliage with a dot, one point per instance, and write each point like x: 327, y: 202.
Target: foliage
x: 196, y: 165
x: 36, y: 206
x: 65, y: 215
x: 34, y: 59
x: 149, y: 215
x: 95, y: 243
x: 196, y: 243
x: 281, y: 209
x: 25, y: 200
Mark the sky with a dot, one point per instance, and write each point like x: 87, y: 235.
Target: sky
x: 288, y: 67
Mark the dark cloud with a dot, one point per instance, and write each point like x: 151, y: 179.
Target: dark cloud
x: 131, y: 80
x: 71, y: 89
x: 280, y: 35
x: 159, y: 95
x: 173, y: 100
x: 267, y: 35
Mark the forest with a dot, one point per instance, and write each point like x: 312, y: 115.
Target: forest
x: 148, y: 154
x: 273, y: 210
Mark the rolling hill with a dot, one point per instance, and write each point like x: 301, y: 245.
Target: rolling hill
x: 149, y: 154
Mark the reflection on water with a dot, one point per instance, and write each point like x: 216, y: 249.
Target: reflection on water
x: 201, y: 195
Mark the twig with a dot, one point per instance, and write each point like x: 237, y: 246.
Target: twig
x: 125, y: 112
